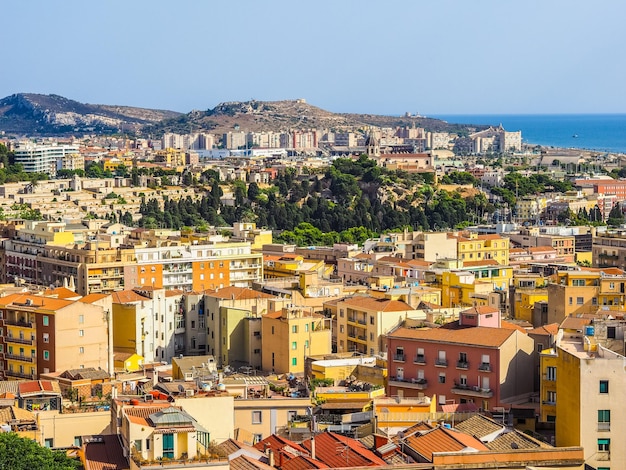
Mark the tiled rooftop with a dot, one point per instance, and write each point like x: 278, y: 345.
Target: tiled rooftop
x: 475, y: 336
x: 479, y: 426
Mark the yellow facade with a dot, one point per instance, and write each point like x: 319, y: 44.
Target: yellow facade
x: 483, y: 247
x: 290, y: 335
x: 525, y: 302
x: 125, y: 327
x: 548, y: 366
x: 171, y: 157
x: 470, y: 285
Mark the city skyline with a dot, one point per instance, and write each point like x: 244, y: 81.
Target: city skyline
x: 429, y: 58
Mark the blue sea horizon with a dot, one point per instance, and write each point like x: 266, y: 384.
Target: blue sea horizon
x: 600, y: 132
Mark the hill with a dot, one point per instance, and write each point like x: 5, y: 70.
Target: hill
x: 36, y: 114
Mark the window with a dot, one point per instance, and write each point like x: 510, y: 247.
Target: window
x: 294, y: 328
x: 604, y: 420
x: 610, y: 332
x: 294, y: 345
x: 137, y: 444
x: 294, y: 361
x: 272, y: 330
x: 341, y: 312
x: 442, y: 378
x: 168, y: 445
x: 604, y: 386
x: 371, y: 319
x: 604, y: 445
x: 579, y: 282
x: 257, y: 417
x: 46, y: 338
x: 46, y: 355
x: 81, y: 318
x: 291, y: 415
x: 81, y: 332
x: 551, y: 373
x: 81, y: 350
x: 580, y: 301
x: 571, y: 301
x: 46, y: 322
x: 551, y: 397
x: 49, y: 443
x: 257, y: 438
x: 306, y: 327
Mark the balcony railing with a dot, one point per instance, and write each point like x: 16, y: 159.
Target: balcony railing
x: 12, y: 373
x: 420, y: 359
x: 399, y: 357
x: 462, y: 365
x: 485, y: 367
x: 12, y: 339
x: 471, y: 390
x: 604, y: 426
x: 441, y: 362
x: 416, y: 384
x: 21, y: 323
x: 18, y: 357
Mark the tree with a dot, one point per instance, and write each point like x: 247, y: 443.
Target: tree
x: 18, y: 453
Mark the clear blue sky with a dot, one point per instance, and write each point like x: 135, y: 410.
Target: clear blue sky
x: 386, y: 57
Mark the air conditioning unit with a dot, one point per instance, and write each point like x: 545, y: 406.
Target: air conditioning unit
x: 189, y: 392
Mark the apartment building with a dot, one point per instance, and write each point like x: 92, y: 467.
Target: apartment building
x: 581, y: 390
x: 609, y: 250
x: 43, y: 334
x: 472, y: 360
x: 42, y: 158
x: 362, y: 322
x: 291, y: 334
x: 233, y: 324
x: 149, y: 322
x: 474, y: 247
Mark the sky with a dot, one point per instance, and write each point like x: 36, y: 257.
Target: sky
x: 384, y: 57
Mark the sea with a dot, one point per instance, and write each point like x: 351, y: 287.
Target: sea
x: 600, y: 132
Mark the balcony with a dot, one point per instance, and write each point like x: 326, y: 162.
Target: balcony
x: 21, y: 375
x: 18, y: 357
x: 22, y: 323
x: 485, y: 367
x: 399, y: 358
x: 420, y: 359
x: 462, y: 365
x: 604, y: 426
x: 472, y: 391
x: 441, y: 362
x: 415, y: 384
x: 11, y: 339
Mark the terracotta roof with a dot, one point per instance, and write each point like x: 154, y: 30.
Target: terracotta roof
x: 474, y: 336
x: 536, y: 249
x: 513, y: 326
x: 481, y: 310
x: 230, y: 446
x: 442, y: 440
x: 237, y: 293
x: 35, y: 387
x: 351, y: 452
x: 277, y: 443
x: 459, y: 407
x: 62, y: 293
x: 302, y: 462
x: 479, y: 426
x: 515, y: 440
x: 574, y: 323
x: 551, y: 329
x: 127, y: 296
x: 476, y: 264
x: 36, y: 301
x: 105, y: 455
x: 378, y: 305
x: 421, y: 426
x: 174, y: 292
x: 11, y: 413
x: 243, y: 462
x: 91, y: 298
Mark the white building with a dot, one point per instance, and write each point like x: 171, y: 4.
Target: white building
x: 43, y: 158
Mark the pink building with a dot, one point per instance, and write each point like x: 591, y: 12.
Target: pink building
x: 473, y: 360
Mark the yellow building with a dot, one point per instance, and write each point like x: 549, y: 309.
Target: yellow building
x: 474, y: 247
x: 472, y: 283
x: 581, y: 389
x: 363, y: 322
x: 171, y: 157
x: 372, y: 370
x: 404, y: 412
x: 291, y: 334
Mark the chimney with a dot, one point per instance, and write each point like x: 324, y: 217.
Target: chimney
x: 313, y: 447
x: 270, y: 456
